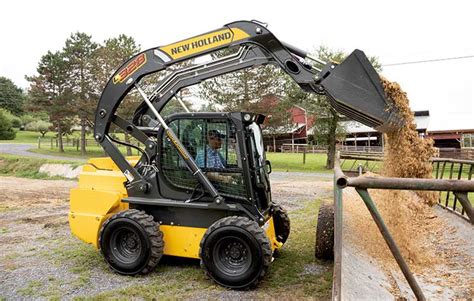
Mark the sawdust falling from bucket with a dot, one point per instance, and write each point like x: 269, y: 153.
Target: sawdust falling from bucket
x: 407, y: 214
x: 407, y: 155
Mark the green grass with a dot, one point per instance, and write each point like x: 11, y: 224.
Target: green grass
x: 28, y: 137
x: 444, y: 195
x: 294, y: 162
x: 31, y: 289
x: 352, y: 165
x: 280, y: 161
x: 26, y: 167
x: 72, y: 152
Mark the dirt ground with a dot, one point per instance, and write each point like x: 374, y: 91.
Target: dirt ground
x: 39, y: 257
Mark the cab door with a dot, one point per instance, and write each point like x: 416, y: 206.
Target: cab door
x: 177, y: 182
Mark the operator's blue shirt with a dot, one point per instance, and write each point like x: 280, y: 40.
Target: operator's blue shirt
x: 214, y: 158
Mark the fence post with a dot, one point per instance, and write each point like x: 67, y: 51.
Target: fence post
x: 304, y: 156
x: 51, y: 143
x: 39, y: 142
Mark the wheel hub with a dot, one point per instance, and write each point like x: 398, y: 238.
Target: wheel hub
x: 236, y: 251
x: 131, y: 241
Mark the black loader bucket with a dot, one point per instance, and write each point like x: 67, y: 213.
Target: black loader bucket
x: 355, y: 90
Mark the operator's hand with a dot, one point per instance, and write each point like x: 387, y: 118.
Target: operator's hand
x: 226, y: 179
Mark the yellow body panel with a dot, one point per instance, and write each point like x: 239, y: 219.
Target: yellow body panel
x: 108, y: 163
x: 89, y: 209
x: 182, y: 241
x: 269, y: 228
x: 99, y: 196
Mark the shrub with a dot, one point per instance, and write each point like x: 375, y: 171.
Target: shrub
x: 6, y: 129
x: 39, y: 126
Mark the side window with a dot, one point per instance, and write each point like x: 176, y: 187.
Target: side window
x: 219, y: 149
x: 213, y: 145
x: 174, y: 168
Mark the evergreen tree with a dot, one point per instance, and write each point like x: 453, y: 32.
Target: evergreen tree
x: 106, y: 60
x: 11, y: 97
x: 78, y: 52
x: 6, y: 129
x: 50, y: 91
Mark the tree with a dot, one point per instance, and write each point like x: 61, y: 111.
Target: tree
x: 14, y: 120
x: 256, y: 90
x: 11, y: 97
x: 50, y: 91
x: 6, y: 128
x: 38, y: 115
x: 78, y: 52
x: 106, y: 60
x: 327, y: 127
x: 244, y: 89
x: 39, y: 126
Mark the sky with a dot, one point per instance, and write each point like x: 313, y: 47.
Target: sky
x: 394, y: 31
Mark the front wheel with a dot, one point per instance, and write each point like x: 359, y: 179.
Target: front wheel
x: 324, y: 248
x: 235, y: 252
x: 281, y: 222
x: 131, y: 242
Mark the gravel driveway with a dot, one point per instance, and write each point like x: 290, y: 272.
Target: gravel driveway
x: 40, y: 259
x: 22, y: 150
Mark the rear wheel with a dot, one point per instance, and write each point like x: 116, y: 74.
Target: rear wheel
x: 235, y: 252
x: 281, y: 222
x: 131, y: 242
x: 324, y: 248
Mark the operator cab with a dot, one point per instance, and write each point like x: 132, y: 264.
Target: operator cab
x: 228, y: 147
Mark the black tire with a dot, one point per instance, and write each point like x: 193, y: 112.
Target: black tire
x: 281, y: 222
x: 235, y: 252
x: 131, y: 242
x: 324, y: 248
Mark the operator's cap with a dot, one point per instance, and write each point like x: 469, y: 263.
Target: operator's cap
x: 215, y: 133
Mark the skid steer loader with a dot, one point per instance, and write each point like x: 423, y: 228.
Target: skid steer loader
x: 182, y: 197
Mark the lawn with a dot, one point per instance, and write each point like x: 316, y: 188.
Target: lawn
x: 28, y: 137
x: 294, y: 162
x: 280, y: 161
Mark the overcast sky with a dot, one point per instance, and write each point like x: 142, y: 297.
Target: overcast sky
x: 396, y: 32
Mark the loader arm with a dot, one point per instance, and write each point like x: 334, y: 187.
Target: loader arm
x: 353, y: 87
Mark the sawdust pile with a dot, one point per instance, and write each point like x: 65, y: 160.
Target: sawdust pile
x: 407, y: 155
x: 425, y: 240
x: 410, y: 221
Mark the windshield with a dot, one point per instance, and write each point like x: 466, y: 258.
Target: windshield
x: 258, y: 139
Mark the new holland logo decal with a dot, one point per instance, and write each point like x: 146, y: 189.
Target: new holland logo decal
x: 204, y: 42
x: 133, y: 66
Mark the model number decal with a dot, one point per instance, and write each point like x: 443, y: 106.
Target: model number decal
x: 133, y: 66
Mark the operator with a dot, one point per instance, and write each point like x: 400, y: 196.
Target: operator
x: 213, y: 157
